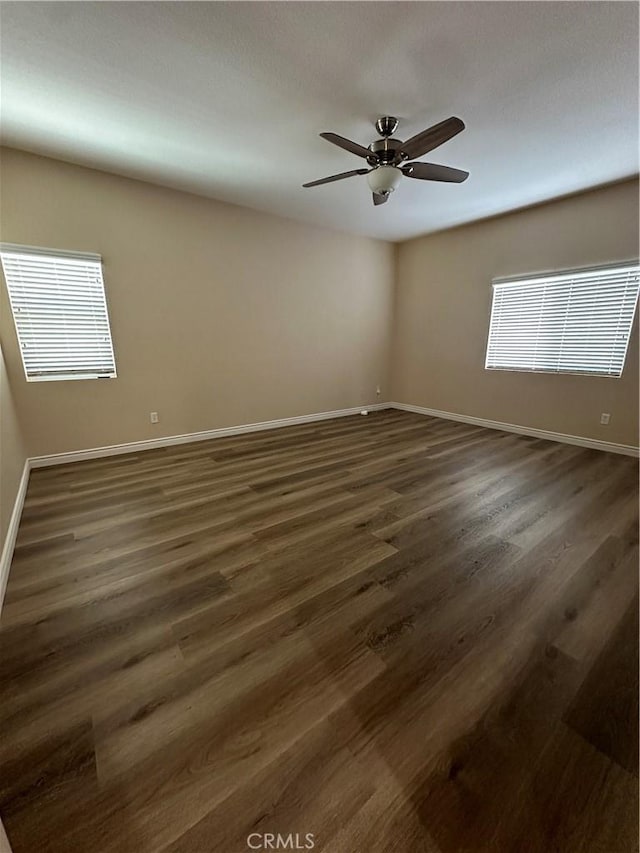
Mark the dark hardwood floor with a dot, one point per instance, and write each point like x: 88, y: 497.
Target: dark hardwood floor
x: 397, y: 633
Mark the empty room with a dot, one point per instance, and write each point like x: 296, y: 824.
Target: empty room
x: 319, y: 427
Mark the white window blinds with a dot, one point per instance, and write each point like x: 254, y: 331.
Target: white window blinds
x: 60, y: 313
x: 573, y: 322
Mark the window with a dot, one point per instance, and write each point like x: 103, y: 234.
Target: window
x: 60, y: 312
x: 571, y: 322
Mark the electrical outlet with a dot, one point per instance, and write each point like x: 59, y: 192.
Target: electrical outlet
x: 605, y: 417
x: 153, y: 417
x: 378, y: 391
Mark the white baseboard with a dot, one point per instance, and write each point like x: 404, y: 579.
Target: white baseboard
x: 581, y: 441
x: 12, y: 530
x: 187, y: 438
x: 167, y: 441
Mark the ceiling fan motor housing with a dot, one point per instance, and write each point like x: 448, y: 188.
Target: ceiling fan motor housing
x: 386, y: 151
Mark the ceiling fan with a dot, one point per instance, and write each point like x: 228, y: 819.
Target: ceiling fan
x: 387, y: 157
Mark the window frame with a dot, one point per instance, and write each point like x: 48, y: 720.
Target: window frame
x: 547, y: 274
x: 22, y: 249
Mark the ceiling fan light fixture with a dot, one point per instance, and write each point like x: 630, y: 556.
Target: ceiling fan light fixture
x: 384, y: 179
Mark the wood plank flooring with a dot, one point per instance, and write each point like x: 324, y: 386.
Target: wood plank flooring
x: 395, y: 633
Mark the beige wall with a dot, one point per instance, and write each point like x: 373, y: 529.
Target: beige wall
x: 219, y: 315
x: 4, y: 841
x: 12, y: 454
x: 443, y: 302
x: 223, y: 316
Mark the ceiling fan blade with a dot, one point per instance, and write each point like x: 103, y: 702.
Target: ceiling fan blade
x: 380, y: 198
x: 429, y: 139
x: 336, y: 177
x: 348, y: 145
x: 433, y: 172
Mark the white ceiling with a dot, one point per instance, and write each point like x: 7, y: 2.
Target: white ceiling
x: 227, y: 99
